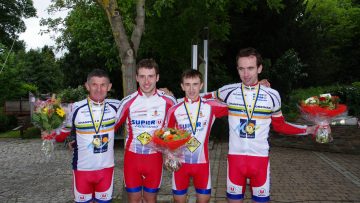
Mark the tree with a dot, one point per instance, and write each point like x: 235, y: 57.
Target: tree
x: 336, y: 27
x: 12, y: 85
x: 11, y: 20
x: 39, y: 68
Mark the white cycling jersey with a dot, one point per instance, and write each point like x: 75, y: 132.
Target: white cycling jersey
x: 196, y: 117
x: 93, y: 126
x: 251, y: 111
x: 142, y: 116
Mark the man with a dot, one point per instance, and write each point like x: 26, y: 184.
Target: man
x: 92, y: 122
x: 252, y: 108
x: 144, y: 112
x: 195, y: 115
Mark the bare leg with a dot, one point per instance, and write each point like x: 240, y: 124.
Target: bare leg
x: 134, y: 197
x: 201, y: 198
x: 150, y: 197
x: 179, y: 198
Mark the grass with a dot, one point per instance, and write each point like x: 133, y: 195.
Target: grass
x: 10, y: 134
x: 29, y: 133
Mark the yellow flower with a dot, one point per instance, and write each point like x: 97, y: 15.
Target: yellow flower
x: 60, y: 112
x: 45, y: 110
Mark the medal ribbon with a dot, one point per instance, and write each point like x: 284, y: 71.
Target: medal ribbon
x: 250, y: 112
x: 193, y: 124
x: 96, y: 124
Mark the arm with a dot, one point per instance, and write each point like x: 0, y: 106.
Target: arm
x: 281, y: 126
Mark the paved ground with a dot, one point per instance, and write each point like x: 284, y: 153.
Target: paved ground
x: 297, y: 175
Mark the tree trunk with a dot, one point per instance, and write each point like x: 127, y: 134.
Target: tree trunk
x: 127, y: 49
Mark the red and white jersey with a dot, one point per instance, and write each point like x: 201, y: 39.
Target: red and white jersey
x: 94, y: 126
x: 196, y: 117
x: 263, y: 106
x: 142, y: 116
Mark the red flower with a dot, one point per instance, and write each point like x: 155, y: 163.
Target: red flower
x: 322, y: 99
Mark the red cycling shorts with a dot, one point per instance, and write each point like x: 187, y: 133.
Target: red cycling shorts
x: 142, y: 172
x: 93, y: 185
x: 242, y: 167
x: 201, y: 178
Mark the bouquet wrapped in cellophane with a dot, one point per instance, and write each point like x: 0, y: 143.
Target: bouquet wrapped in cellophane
x: 48, y: 116
x: 171, y: 143
x: 321, y: 110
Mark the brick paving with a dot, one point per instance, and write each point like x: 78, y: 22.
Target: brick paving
x: 297, y: 175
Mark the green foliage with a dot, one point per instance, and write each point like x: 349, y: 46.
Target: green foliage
x: 286, y: 73
x: 70, y: 95
x: 12, y: 14
x: 6, y: 122
x: 32, y: 132
x: 168, y: 38
x: 39, y: 70
x: 13, y: 86
x: 335, y: 26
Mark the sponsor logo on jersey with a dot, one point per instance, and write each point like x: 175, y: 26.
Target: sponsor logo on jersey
x: 144, y: 123
x: 262, y: 97
x: 262, y: 192
x: 100, y: 143
x: 188, y: 126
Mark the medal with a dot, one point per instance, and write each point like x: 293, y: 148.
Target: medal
x: 96, y: 142
x: 96, y: 123
x: 250, y: 127
x: 193, y: 122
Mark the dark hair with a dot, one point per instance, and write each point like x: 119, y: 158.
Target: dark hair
x: 191, y: 73
x: 148, y: 64
x: 97, y: 73
x: 250, y: 52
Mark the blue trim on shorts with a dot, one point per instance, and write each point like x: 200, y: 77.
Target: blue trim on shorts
x: 103, y: 201
x: 151, y: 190
x: 136, y: 189
x: 260, y: 199
x: 236, y: 197
x: 89, y: 201
x: 203, y: 191
x: 179, y: 192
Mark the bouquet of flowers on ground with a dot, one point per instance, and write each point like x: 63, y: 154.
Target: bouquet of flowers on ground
x: 48, y: 116
x: 171, y: 142
x: 321, y: 110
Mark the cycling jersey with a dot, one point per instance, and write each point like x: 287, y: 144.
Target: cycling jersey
x: 93, y: 126
x: 251, y: 111
x: 196, y: 117
x: 143, y: 115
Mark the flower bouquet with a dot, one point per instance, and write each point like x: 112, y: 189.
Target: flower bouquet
x: 321, y: 110
x: 48, y: 116
x: 170, y: 142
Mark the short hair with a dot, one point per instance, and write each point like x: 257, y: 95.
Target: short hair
x: 250, y: 52
x: 97, y: 73
x: 148, y: 64
x: 191, y: 73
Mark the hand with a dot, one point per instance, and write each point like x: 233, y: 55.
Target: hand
x: 71, y: 145
x: 167, y: 91
x: 264, y: 82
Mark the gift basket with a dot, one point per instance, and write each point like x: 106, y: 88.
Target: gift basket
x: 171, y: 143
x: 48, y: 116
x: 321, y: 110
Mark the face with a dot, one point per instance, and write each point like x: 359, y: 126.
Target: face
x: 147, y: 79
x: 192, y: 87
x: 98, y: 88
x: 248, y: 70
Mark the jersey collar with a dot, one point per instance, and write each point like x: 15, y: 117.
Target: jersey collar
x: 142, y: 94
x: 191, y: 101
